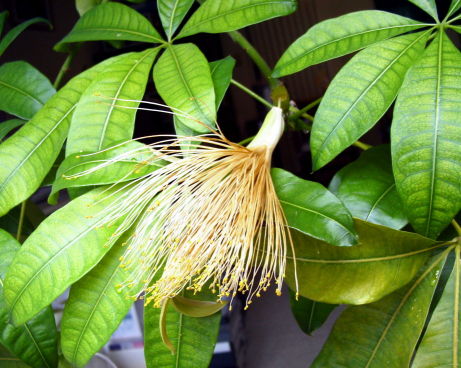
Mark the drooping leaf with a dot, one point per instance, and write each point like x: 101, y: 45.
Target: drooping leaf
x: 63, y: 248
x: 125, y: 161
x: 36, y: 341
x: 360, y: 94
x: 426, y: 136
x: 383, y: 261
x: 182, y: 77
x: 196, y: 308
x: 440, y: 346
x: 384, y: 333
x: 310, y: 208
x: 428, y: 6
x: 216, y: 16
x: 111, y: 21
x: 95, y: 308
x: 221, y: 73
x: 172, y: 12
x: 193, y: 338
x: 100, y: 118
x: 8, y: 126
x: 29, y: 154
x: 367, y: 188
x: 309, y: 314
x: 23, y: 89
x: 340, y: 36
x: 16, y: 31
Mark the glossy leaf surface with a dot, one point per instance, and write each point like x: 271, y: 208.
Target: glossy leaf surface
x: 221, y: 73
x: 440, y: 346
x: 100, y: 118
x: 340, y: 36
x: 216, y: 16
x: 382, y: 334
x: 111, y: 21
x: 36, y: 341
x: 426, y: 136
x: 95, y: 308
x: 310, y: 208
x: 23, y: 89
x: 172, y: 12
x: 183, y: 79
x: 360, y: 94
x: 63, y: 248
x: 383, y: 261
x: 367, y: 188
x: 28, y: 155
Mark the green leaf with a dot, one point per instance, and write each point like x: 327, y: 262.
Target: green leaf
x: 428, y: 6
x: 183, y: 79
x: 36, y: 341
x: 83, y: 6
x: 100, y: 118
x: 216, y: 16
x: 367, y: 188
x: 23, y: 89
x: 3, y: 16
x: 196, y: 308
x: 221, y: 73
x: 383, y: 261
x: 310, y: 208
x: 125, y: 161
x: 16, y: 31
x: 172, y: 13
x: 360, y: 94
x: 340, y: 36
x: 8, y: 126
x: 8, y: 360
x: 440, y: 346
x: 309, y: 314
x: 29, y: 154
x: 193, y: 338
x: 426, y: 136
x: 111, y: 21
x: 454, y: 7
x: 95, y: 308
x: 63, y: 248
x: 382, y: 334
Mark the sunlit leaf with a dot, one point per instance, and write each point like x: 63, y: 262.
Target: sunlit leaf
x: 8, y: 126
x: 428, y: 6
x: 340, y: 36
x: 172, y: 12
x: 221, y: 73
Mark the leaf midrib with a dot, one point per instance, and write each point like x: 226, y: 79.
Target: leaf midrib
x: 380, y: 198
x: 103, y: 29
x: 21, y: 91
x: 32, y: 337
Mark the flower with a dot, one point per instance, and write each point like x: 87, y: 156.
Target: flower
x: 209, y: 218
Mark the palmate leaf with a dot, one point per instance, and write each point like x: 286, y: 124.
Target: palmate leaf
x: 221, y: 74
x: 440, y: 346
x: 341, y: 36
x: 383, y: 261
x: 310, y: 208
x: 383, y: 334
x: 28, y: 155
x: 111, y: 21
x: 216, y: 16
x: 426, y: 136
x: 23, y: 89
x: 95, y: 308
x: 100, y: 119
x: 172, y: 12
x: 63, y: 248
x: 193, y: 338
x: 360, y: 94
x: 454, y: 7
x: 428, y: 6
x: 183, y: 79
x: 36, y: 341
x: 367, y: 188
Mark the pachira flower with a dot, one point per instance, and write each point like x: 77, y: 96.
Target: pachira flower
x: 208, y: 218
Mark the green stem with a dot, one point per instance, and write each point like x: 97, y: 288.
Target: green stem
x: 456, y: 226
x: 251, y: 93
x: 305, y: 109
x: 255, y: 56
x: 246, y: 140
x: 21, y: 220
x: 361, y: 145
x: 65, y: 67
